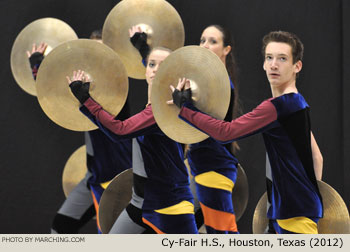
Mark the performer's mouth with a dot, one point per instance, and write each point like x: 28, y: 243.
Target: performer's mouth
x: 274, y: 75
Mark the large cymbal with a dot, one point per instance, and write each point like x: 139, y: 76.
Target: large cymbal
x: 74, y: 170
x: 109, y: 85
x: 114, y: 199
x: 336, y: 215
x: 49, y: 30
x: 335, y: 219
x: 157, y: 18
x: 210, y: 86
x: 240, y: 193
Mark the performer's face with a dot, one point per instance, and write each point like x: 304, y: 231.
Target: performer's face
x: 212, y: 39
x: 154, y: 60
x: 278, y: 64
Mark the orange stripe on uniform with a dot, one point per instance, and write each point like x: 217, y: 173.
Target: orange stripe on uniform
x: 158, y: 231
x: 96, y: 208
x: 219, y: 220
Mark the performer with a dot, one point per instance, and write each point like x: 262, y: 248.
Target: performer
x: 214, y: 167
x: 168, y: 203
x: 296, y: 203
x: 138, y: 38
x: 105, y: 159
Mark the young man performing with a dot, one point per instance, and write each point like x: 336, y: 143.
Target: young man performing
x: 295, y: 159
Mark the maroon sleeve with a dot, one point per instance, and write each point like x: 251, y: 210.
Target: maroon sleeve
x: 136, y: 123
x: 250, y: 123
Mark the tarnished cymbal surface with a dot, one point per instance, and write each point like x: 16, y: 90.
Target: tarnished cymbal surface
x: 74, y: 170
x: 335, y: 218
x: 114, y: 199
x: 210, y: 87
x: 109, y: 82
x: 260, y: 220
x: 157, y: 18
x: 49, y: 30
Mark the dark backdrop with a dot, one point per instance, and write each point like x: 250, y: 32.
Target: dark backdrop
x: 34, y: 150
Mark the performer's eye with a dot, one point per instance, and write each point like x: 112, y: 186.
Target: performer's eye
x: 283, y: 59
x: 202, y: 41
x: 151, y: 64
x: 268, y: 57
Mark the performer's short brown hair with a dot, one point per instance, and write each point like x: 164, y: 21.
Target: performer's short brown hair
x: 288, y: 38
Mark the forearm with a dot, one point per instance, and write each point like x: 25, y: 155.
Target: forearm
x: 134, y: 126
x: 251, y: 123
x: 317, y: 158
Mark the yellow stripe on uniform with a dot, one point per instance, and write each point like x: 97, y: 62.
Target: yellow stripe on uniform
x: 214, y: 180
x: 184, y: 207
x: 105, y: 184
x: 300, y: 225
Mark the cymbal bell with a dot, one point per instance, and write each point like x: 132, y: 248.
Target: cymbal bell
x: 210, y: 87
x: 74, y: 170
x: 49, y: 30
x: 157, y: 18
x: 335, y: 216
x: 240, y: 193
x: 114, y: 199
x: 109, y: 82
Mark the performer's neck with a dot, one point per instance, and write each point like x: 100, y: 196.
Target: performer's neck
x: 283, y: 89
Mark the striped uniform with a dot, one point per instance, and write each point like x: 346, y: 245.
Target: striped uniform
x: 296, y: 203
x: 105, y: 159
x: 214, y: 169
x: 168, y: 202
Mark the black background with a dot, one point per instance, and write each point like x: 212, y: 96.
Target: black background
x: 34, y: 150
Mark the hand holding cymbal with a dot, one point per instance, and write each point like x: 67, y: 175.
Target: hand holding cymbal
x: 182, y: 93
x: 205, y: 73
x: 99, y: 64
x: 133, y: 30
x: 41, y: 48
x: 158, y: 19
x: 47, y: 33
x: 79, y: 85
x: 138, y: 39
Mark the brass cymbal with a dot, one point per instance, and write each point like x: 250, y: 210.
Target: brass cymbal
x: 157, y: 18
x: 240, y: 193
x: 260, y: 220
x: 335, y: 219
x: 74, y: 170
x: 109, y: 82
x: 114, y: 199
x: 210, y: 86
x: 336, y: 215
x: 49, y: 30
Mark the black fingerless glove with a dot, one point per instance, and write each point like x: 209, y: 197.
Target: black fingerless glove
x: 139, y: 41
x: 180, y: 97
x: 35, y: 60
x: 80, y: 90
